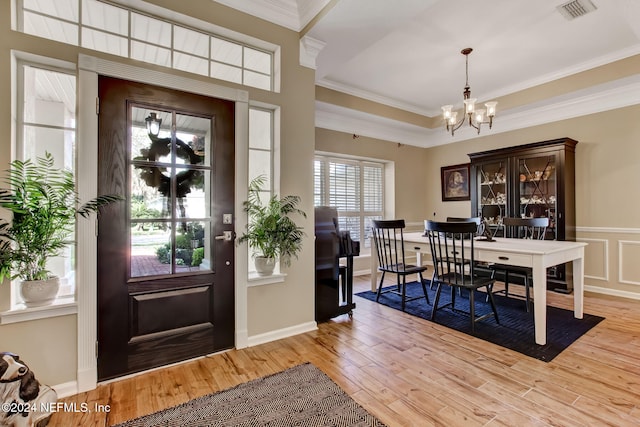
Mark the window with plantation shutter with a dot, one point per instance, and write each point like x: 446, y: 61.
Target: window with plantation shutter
x: 355, y: 188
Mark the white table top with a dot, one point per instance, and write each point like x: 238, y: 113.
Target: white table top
x: 524, y: 246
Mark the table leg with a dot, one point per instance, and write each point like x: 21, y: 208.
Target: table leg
x: 578, y: 286
x: 540, y: 300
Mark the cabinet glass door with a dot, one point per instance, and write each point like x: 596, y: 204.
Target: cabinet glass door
x: 492, y: 195
x: 538, y: 189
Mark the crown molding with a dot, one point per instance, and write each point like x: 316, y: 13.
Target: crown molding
x: 527, y: 84
x: 608, y: 96
x: 279, y: 12
x: 291, y: 14
x: 370, y: 96
x: 309, y: 50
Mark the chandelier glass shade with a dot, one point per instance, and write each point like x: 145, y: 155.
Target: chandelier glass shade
x: 474, y: 116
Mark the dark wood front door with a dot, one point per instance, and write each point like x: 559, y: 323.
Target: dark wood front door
x: 166, y: 255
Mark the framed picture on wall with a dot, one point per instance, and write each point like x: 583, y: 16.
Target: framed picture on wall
x: 455, y: 182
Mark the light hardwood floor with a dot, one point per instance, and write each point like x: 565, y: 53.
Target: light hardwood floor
x: 411, y: 372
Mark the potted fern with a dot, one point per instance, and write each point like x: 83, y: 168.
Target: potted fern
x: 271, y: 232
x: 45, y: 205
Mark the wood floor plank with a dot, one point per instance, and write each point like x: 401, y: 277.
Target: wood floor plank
x: 411, y: 372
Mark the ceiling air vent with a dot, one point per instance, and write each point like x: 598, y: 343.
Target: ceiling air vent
x: 576, y: 8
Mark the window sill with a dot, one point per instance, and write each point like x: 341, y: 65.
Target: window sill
x: 21, y: 313
x: 255, y: 280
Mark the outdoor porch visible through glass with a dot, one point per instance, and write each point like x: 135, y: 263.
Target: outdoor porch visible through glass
x: 169, y: 192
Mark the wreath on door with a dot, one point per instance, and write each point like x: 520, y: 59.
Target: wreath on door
x: 155, y: 176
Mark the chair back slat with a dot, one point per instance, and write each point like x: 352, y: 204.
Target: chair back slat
x: 526, y: 228
x: 451, y: 245
x: 389, y: 239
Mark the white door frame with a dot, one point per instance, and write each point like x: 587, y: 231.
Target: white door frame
x: 89, y: 68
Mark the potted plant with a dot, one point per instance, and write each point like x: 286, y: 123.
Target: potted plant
x: 271, y: 231
x: 45, y: 205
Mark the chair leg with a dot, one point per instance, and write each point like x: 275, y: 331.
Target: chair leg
x: 472, y: 309
x: 526, y: 291
x: 424, y: 288
x: 404, y: 290
x: 380, y: 286
x: 492, y: 302
x: 506, y: 283
x: 435, y: 303
x: 453, y: 297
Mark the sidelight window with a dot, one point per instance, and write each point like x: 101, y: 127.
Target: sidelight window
x: 46, y: 122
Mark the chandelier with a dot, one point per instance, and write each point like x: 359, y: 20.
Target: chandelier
x: 476, y: 117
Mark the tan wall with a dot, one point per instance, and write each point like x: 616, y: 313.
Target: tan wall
x: 48, y: 346
x: 270, y: 307
x: 607, y: 163
x: 607, y: 194
x: 410, y: 174
x: 409, y: 161
x: 607, y: 190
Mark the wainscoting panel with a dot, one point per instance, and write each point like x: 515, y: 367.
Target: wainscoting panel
x: 612, y: 257
x: 596, y: 258
x: 629, y: 267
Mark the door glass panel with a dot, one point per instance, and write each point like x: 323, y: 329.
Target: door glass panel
x: 147, y: 202
x: 195, y: 203
x: 170, y: 181
x: 192, y: 247
x: 150, y: 249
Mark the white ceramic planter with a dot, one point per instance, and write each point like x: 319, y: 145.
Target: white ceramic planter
x: 264, y: 265
x: 36, y: 293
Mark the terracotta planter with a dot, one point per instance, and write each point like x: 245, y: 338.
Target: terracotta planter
x: 264, y: 265
x: 36, y: 293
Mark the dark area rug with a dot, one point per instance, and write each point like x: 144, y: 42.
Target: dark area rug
x: 516, y: 329
x: 299, y: 396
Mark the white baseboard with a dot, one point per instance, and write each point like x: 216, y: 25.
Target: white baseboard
x: 612, y: 292
x: 66, y: 389
x: 282, y: 333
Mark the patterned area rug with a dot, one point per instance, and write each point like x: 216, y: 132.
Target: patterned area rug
x: 300, y: 396
x: 516, y: 329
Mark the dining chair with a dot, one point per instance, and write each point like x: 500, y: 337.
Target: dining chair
x: 476, y: 220
x: 451, y: 245
x: 521, y: 228
x: 389, y: 240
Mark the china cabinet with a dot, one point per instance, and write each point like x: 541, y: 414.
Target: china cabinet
x: 528, y: 181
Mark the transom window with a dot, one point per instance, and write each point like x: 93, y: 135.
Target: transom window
x: 355, y: 188
x: 104, y: 27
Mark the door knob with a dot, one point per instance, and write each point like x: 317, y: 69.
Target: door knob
x: 226, y: 236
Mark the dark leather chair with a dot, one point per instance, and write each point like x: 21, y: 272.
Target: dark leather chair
x: 389, y: 241
x: 521, y: 228
x: 451, y: 245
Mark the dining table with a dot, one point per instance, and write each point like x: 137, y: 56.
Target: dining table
x: 535, y: 254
